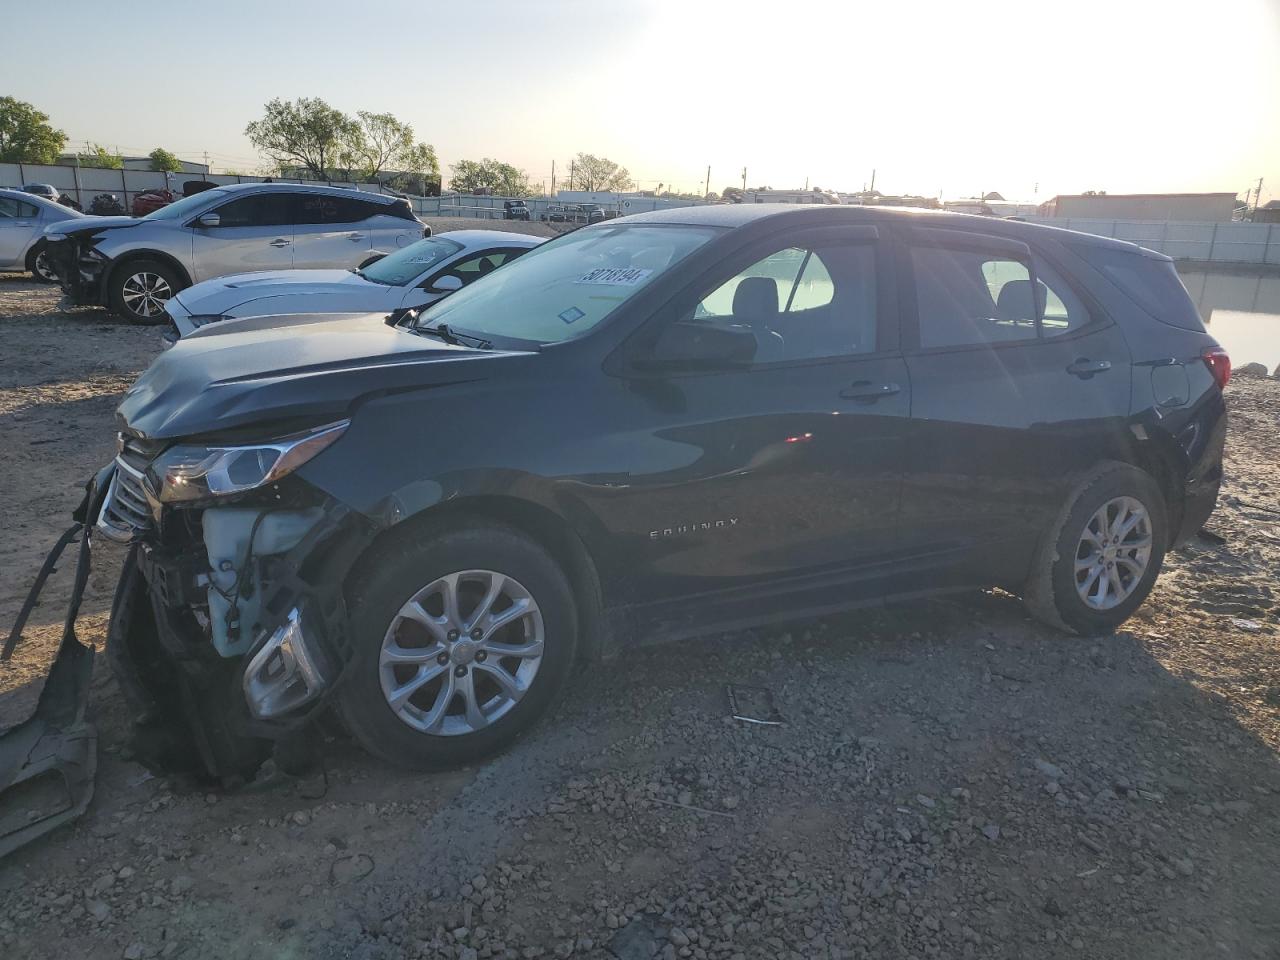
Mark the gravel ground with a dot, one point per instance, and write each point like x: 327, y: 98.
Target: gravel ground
x: 952, y: 780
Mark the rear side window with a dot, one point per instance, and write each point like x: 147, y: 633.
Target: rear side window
x: 8, y: 207
x: 323, y: 208
x: 969, y: 297
x: 1061, y: 310
x: 1154, y: 285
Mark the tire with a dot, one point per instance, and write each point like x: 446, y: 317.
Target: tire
x: 38, y: 264
x: 140, y: 288
x: 1053, y: 590
x: 400, y: 573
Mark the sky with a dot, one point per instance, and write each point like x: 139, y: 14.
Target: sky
x: 1029, y: 98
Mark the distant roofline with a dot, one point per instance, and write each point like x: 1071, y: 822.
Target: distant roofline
x: 1136, y: 196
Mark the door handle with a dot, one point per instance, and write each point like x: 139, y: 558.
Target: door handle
x: 865, y: 391
x: 355, y: 238
x: 1084, y: 368
x: 280, y: 242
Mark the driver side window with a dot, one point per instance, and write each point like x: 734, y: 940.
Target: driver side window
x: 801, y: 302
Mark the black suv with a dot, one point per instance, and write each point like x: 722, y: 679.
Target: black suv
x: 668, y: 424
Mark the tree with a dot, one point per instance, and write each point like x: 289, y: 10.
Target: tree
x: 25, y: 134
x: 385, y: 144
x: 598, y: 174
x: 96, y: 155
x: 162, y: 161
x: 308, y: 133
x: 492, y: 175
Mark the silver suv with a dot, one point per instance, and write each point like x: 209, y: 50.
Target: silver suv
x: 134, y: 265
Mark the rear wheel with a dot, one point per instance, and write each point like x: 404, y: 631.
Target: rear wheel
x: 140, y: 289
x: 38, y: 264
x: 463, y: 639
x: 1100, y: 561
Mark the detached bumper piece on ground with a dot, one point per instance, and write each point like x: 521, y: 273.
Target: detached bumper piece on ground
x: 48, y: 760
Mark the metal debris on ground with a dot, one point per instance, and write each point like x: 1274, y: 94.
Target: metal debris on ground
x: 752, y: 705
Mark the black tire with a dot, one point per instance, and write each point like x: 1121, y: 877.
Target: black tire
x: 38, y: 264
x: 395, y: 575
x: 121, y: 299
x: 1051, y: 593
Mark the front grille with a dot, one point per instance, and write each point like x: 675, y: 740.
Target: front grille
x: 126, y: 512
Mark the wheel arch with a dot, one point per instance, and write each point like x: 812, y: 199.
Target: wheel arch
x: 1160, y: 457
x: 541, y: 525
x: 133, y: 256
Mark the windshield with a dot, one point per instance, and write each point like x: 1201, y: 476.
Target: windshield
x: 563, y: 289
x: 187, y: 205
x: 399, y: 268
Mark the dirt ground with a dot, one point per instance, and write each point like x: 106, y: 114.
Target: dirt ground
x: 952, y: 780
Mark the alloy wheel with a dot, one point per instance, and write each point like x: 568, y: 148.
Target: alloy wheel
x: 1113, y: 553
x: 461, y: 652
x: 146, y: 294
x: 43, y: 268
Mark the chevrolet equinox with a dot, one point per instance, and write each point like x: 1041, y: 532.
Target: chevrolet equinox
x: 661, y: 426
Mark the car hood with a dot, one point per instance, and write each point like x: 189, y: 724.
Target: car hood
x: 90, y: 224
x: 220, y: 296
x: 288, y: 369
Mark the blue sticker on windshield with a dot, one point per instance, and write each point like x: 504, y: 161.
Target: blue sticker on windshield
x: 572, y: 314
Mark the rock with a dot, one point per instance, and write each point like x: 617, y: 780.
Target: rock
x: 730, y: 803
x: 180, y: 885
x: 104, y: 883
x: 98, y: 910
x: 1050, y: 770
x: 357, y: 866
x: 636, y: 941
x: 678, y: 937
x: 1053, y: 908
x: 926, y: 802
x: 1254, y: 369
x: 134, y: 951
x: 1052, y: 788
x: 1184, y: 866
x: 991, y: 831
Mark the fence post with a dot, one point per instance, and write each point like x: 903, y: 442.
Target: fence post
x: 1266, y: 245
x: 75, y: 175
x: 22, y: 177
x: 124, y: 191
x: 1212, y: 240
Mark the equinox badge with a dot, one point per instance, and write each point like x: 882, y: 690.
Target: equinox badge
x: 693, y: 528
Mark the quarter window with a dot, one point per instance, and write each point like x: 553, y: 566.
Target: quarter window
x: 326, y: 208
x: 970, y: 297
x: 1063, y: 312
x: 8, y: 208
x: 801, y: 302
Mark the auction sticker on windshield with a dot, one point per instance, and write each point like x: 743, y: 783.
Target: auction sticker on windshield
x: 615, y: 276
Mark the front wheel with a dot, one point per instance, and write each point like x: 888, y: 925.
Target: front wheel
x: 1102, y: 557
x: 462, y: 641
x: 140, y: 289
x: 39, y: 266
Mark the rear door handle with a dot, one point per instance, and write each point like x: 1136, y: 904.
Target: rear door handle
x: 1084, y: 368
x: 867, y: 392
x: 356, y: 237
x: 280, y: 242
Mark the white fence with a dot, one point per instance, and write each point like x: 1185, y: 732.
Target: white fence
x: 1184, y: 240
x: 85, y: 183
x: 490, y: 208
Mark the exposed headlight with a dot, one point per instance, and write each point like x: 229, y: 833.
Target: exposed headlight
x: 192, y: 472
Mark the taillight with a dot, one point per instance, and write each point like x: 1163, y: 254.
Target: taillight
x: 1219, y: 364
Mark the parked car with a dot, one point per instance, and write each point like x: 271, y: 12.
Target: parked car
x: 515, y: 210
x: 594, y: 213
x: 106, y: 205
x: 46, y: 190
x: 149, y: 201
x: 407, y: 279
x: 563, y: 213
x: 23, y: 217
x: 134, y: 266
x: 672, y: 423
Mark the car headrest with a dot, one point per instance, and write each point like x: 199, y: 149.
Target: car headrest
x: 755, y: 299
x: 1014, y: 302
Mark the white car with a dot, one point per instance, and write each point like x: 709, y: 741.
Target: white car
x: 23, y: 217
x: 412, y: 277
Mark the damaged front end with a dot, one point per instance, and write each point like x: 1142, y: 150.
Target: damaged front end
x: 80, y: 266
x: 228, y: 625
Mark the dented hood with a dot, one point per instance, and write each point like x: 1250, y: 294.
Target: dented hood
x: 289, y: 368
x: 289, y: 290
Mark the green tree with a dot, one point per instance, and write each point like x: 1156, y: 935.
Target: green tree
x: 384, y: 143
x: 497, y: 177
x: 598, y: 174
x: 97, y: 155
x: 162, y: 161
x: 26, y: 135
x: 307, y: 133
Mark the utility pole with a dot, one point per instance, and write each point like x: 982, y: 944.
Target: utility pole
x: 708, y: 188
x: 207, y: 168
x: 873, y: 180
x: 572, y: 169
x: 806, y: 184
x: 744, y: 178
x: 1257, y: 198
x: 553, y: 178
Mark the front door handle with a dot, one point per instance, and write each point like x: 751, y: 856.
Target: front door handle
x: 355, y: 237
x: 1084, y: 368
x: 280, y: 242
x: 865, y: 391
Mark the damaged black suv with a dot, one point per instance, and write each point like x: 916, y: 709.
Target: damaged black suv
x: 653, y: 427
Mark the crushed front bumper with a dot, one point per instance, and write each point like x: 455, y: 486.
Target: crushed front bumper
x: 82, y: 271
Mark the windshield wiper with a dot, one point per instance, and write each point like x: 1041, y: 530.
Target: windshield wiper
x: 442, y: 331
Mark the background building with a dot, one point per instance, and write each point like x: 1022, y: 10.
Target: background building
x: 1206, y: 207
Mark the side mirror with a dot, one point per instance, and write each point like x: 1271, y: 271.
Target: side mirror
x: 688, y: 345
x: 209, y: 220
x: 446, y: 284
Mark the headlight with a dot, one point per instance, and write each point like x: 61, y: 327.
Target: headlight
x: 191, y: 472
x: 199, y: 320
